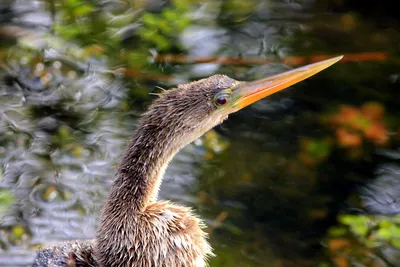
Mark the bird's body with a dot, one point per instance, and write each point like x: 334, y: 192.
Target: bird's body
x: 137, y: 231
x: 172, y: 234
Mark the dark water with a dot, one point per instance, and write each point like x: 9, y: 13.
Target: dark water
x: 307, y: 177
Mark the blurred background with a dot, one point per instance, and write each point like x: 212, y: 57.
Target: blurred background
x: 307, y: 177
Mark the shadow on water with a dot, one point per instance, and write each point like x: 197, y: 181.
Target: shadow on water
x: 309, y: 177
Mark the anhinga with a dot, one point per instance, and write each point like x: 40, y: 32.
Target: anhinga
x: 135, y: 229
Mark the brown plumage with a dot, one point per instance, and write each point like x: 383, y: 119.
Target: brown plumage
x: 134, y: 229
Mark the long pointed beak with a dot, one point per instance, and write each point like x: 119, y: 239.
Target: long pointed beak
x: 247, y: 93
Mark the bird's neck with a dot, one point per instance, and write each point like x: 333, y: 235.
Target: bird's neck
x: 142, y: 168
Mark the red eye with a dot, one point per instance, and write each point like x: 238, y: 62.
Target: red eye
x: 221, y: 100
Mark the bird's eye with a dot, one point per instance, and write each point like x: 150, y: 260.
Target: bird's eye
x: 221, y: 99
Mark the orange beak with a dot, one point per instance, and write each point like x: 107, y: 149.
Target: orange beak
x: 246, y: 93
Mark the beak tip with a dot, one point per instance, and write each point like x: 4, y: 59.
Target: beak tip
x: 327, y: 63
x: 336, y: 59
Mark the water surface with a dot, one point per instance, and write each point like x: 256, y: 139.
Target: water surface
x: 307, y: 177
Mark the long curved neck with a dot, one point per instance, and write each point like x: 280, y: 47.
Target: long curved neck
x: 142, y: 167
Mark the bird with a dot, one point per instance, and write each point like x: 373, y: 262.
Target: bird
x: 137, y: 230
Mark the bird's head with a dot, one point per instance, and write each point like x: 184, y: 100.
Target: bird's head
x: 192, y: 109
